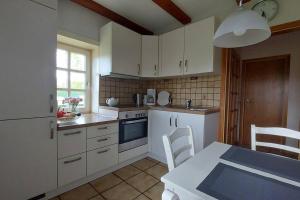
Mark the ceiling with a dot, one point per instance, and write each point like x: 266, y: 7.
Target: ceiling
x: 149, y: 15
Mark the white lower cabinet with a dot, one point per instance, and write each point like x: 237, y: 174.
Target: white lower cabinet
x: 102, y: 158
x: 103, y: 141
x: 71, y: 169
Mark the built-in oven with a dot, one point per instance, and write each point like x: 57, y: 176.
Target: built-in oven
x: 133, y: 130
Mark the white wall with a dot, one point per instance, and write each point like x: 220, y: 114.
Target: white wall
x: 78, y: 22
x: 278, y: 45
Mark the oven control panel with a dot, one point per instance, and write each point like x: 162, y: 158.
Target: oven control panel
x: 133, y: 114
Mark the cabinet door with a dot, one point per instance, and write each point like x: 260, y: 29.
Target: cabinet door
x: 126, y: 51
x: 150, y: 56
x: 28, y: 48
x: 48, y: 3
x: 160, y: 123
x: 196, y: 122
x: 28, y: 157
x: 199, y: 48
x: 172, y: 53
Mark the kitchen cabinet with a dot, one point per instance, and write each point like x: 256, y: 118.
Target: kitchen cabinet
x: 200, y: 56
x: 27, y: 60
x: 28, y: 157
x: 149, y: 64
x: 204, y: 129
x: 49, y: 3
x: 189, y: 50
x: 120, y: 51
x: 172, y: 51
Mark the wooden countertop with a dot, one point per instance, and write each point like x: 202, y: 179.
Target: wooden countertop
x: 86, y: 120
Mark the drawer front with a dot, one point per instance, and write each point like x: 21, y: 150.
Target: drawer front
x: 102, y: 141
x: 102, y: 158
x: 71, y: 142
x: 71, y: 169
x: 105, y: 129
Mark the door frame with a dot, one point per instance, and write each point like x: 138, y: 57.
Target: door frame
x: 286, y: 59
x: 276, y: 30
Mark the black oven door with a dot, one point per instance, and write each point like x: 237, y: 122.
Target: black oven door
x: 133, y: 133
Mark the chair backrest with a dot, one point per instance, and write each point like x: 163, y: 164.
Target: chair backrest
x: 184, y: 151
x: 283, y: 132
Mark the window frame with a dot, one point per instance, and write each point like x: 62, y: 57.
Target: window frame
x: 73, y: 49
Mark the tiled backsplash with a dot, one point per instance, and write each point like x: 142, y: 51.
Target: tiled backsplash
x: 203, y: 90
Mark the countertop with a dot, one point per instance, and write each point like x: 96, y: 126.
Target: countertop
x: 86, y: 120
x: 182, y: 109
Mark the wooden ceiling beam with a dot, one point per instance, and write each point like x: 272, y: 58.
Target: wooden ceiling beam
x: 173, y: 10
x: 286, y: 27
x: 92, y: 5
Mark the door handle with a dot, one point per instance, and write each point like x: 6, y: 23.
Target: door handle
x: 52, y: 130
x: 51, y: 103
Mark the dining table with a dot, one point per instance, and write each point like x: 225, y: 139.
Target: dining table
x: 222, y: 171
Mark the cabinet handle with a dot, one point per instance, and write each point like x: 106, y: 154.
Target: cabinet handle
x: 176, y: 122
x: 51, y: 103
x: 104, y: 151
x: 170, y: 121
x: 51, y: 130
x: 180, y: 65
x: 71, y: 161
x: 102, y: 140
x: 73, y: 133
x: 139, y: 69
x: 186, y: 65
x: 155, y: 70
x: 103, y: 128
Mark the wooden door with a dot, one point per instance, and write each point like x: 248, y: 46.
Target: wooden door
x: 172, y: 53
x: 264, y: 96
x: 28, y: 157
x: 28, y: 49
x: 198, y: 50
x: 150, y: 56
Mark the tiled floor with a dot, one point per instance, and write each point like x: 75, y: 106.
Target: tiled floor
x: 138, y: 181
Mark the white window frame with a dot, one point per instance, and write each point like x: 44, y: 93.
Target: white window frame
x: 87, y: 89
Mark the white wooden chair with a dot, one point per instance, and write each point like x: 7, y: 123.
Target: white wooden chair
x: 184, y: 150
x: 284, y: 132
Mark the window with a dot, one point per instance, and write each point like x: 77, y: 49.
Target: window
x: 73, y: 75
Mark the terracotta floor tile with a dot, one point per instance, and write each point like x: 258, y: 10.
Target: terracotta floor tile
x: 163, y: 164
x: 83, y: 192
x: 142, y: 182
x: 122, y: 191
x: 153, y: 160
x: 143, y: 164
x: 157, y: 171
x: 106, y: 182
x: 142, y: 197
x: 155, y: 192
x: 127, y: 172
x: 97, y: 198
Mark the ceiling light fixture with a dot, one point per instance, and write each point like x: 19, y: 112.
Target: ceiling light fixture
x: 243, y: 27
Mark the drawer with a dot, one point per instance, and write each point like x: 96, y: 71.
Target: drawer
x: 71, y: 169
x: 71, y: 142
x: 105, y: 129
x: 102, y: 141
x: 102, y: 158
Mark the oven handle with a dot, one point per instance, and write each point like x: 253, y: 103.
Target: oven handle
x: 135, y: 121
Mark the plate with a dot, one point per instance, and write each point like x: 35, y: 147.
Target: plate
x: 163, y: 98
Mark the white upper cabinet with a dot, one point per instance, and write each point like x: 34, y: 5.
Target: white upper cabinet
x: 172, y: 51
x: 149, y: 64
x: 120, y: 50
x: 200, y: 54
x: 28, y: 56
x: 48, y: 3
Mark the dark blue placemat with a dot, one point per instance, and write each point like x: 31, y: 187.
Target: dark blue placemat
x: 229, y: 183
x: 279, y: 166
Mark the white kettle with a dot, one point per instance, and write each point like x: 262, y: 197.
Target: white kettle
x: 112, y: 101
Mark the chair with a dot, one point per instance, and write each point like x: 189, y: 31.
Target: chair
x: 284, y: 132
x: 175, y: 147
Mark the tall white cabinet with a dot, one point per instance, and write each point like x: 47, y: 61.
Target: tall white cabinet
x: 28, y: 142
x: 149, y: 59
x: 120, y: 50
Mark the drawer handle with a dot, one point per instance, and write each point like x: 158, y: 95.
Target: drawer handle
x: 102, y: 140
x: 102, y: 128
x: 73, y: 133
x: 104, y: 151
x: 71, y: 161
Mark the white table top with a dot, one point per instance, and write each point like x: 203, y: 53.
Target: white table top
x: 190, y: 174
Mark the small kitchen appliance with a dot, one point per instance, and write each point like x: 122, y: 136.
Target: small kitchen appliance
x: 151, y: 97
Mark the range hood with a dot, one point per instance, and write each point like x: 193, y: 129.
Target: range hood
x: 122, y: 76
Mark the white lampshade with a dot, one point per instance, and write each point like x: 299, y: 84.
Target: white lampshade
x: 242, y: 28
